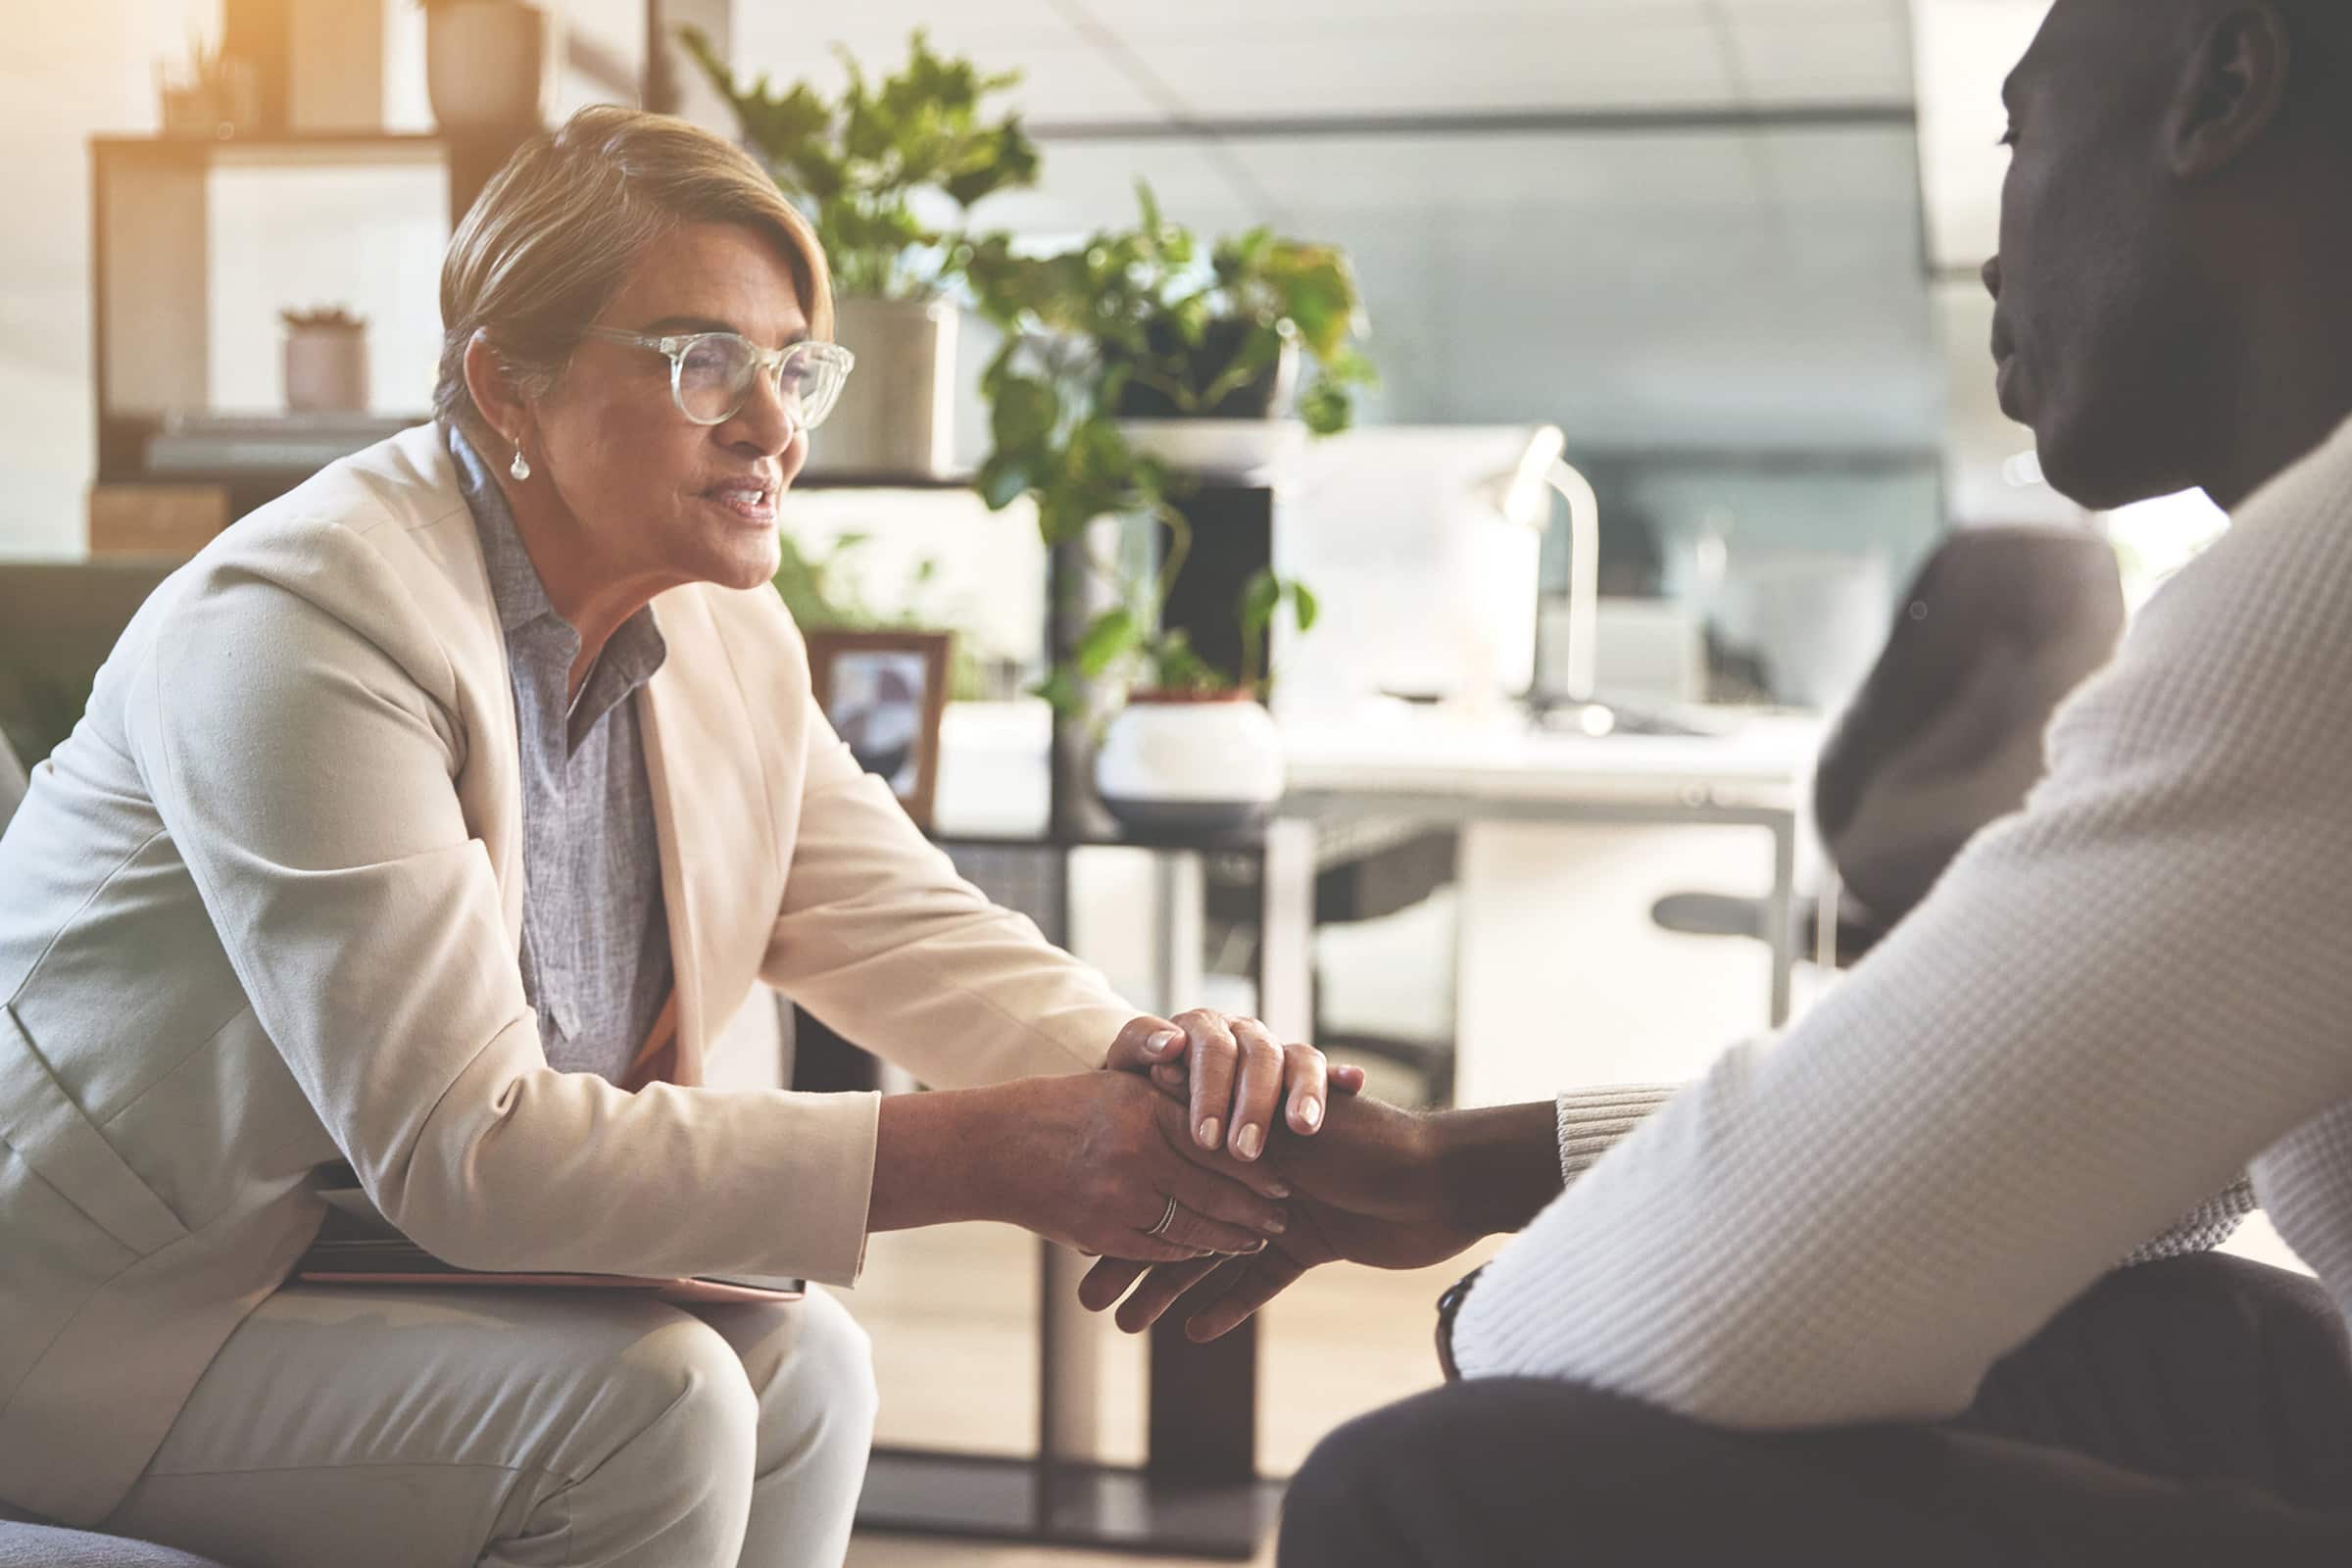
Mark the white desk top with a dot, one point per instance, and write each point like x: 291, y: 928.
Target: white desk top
x: 1759, y: 759
x: 994, y: 770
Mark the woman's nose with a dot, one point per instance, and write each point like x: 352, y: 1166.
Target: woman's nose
x: 769, y: 417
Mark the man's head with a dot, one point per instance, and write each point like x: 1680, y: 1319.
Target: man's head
x: 2178, y: 178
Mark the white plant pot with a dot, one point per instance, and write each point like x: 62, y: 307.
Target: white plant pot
x: 326, y: 369
x: 1172, y: 762
x: 489, y: 65
x: 1257, y: 450
x: 896, y: 414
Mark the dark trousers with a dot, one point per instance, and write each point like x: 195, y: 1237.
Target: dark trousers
x: 2196, y: 1411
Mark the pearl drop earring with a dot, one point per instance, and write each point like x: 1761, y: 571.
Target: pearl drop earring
x: 520, y: 467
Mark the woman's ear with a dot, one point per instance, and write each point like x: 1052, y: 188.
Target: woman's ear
x: 493, y: 390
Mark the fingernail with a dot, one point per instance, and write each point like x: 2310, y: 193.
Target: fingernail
x: 1279, y: 1189
x: 1311, y: 1111
x: 1247, y: 1140
x: 1275, y: 1225
x: 1208, y: 1133
x: 1163, y: 1042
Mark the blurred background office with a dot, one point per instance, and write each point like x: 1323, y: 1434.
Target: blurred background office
x: 1661, y: 347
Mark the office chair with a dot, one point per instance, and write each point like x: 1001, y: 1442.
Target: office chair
x: 1945, y: 736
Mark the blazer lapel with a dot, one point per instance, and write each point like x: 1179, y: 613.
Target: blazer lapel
x: 667, y: 721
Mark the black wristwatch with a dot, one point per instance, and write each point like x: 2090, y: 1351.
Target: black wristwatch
x: 1449, y: 1306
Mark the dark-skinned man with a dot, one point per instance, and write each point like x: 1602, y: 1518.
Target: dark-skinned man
x: 1852, y: 1298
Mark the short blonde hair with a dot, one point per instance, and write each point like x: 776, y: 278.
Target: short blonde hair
x: 558, y: 231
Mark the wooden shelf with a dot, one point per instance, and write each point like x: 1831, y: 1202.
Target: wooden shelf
x: 295, y: 149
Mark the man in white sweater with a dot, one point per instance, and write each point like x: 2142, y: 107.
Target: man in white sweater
x: 1853, y: 1297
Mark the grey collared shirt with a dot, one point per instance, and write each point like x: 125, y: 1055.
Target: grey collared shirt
x: 596, y: 959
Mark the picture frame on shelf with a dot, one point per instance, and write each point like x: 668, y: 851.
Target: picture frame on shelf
x: 886, y: 693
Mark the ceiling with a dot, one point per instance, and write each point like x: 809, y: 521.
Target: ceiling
x: 1745, y: 275
x: 1128, y: 61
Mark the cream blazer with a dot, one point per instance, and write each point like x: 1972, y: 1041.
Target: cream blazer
x: 262, y: 913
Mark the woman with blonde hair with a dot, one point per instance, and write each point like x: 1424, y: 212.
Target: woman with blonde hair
x: 431, y: 820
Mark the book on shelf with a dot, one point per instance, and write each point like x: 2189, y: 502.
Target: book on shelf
x: 357, y: 1245
x: 218, y: 443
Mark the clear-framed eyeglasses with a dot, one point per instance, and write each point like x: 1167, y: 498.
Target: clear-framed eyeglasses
x: 711, y: 374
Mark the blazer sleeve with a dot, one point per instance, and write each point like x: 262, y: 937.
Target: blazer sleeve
x: 880, y: 938
x: 299, y: 734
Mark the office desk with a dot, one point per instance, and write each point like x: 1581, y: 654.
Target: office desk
x: 1439, y: 768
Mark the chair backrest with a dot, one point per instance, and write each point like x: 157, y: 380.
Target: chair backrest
x: 2000, y: 626
x: 12, y: 782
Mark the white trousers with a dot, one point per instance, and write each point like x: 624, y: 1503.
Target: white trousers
x: 517, y: 1429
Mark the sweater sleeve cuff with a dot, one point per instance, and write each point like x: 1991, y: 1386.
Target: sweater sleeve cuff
x: 1593, y: 1121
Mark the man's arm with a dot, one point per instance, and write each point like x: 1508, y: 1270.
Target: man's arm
x: 2109, y: 1007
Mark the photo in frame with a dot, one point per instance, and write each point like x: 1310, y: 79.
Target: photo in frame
x: 885, y: 693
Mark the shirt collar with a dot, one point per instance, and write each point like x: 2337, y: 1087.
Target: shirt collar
x: 636, y: 650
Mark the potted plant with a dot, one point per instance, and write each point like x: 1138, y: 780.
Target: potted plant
x: 489, y: 65
x: 1196, y: 366
x: 875, y: 171
x: 213, y: 95
x: 1091, y: 335
x: 1189, y: 748
x: 326, y: 361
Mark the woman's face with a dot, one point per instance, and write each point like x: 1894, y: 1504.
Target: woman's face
x: 657, y: 499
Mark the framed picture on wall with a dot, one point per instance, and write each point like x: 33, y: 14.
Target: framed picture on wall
x: 885, y: 692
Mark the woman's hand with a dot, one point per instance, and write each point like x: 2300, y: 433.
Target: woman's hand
x: 1234, y: 1077
x: 1092, y: 1161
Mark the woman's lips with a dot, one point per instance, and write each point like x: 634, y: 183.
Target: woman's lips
x: 751, y: 505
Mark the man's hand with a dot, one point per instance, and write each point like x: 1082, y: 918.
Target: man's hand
x: 1214, y: 1296
x: 1234, y: 1077
x: 1382, y: 1186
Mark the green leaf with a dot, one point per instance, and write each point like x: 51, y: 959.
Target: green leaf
x: 1325, y: 407
x: 1061, y: 689
x: 1114, y: 635
x: 1262, y: 596
x: 1026, y: 410
x: 1305, y: 607
x: 1003, y: 480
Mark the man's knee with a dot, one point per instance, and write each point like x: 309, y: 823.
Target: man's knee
x: 1471, y: 1472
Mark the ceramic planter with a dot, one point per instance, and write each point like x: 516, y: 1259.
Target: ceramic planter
x: 489, y: 65
x: 326, y: 369
x: 896, y: 414
x: 1176, y: 761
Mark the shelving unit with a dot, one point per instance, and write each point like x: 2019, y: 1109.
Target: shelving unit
x: 151, y: 293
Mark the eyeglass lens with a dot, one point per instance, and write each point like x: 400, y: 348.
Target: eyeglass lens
x: 715, y: 379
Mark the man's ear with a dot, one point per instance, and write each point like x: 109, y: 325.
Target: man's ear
x: 2231, y: 90
x: 493, y: 389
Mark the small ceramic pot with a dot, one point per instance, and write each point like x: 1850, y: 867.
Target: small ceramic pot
x: 489, y: 65
x: 1186, y: 760
x: 326, y: 369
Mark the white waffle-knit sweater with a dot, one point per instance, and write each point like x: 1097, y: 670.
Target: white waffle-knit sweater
x: 2113, y: 1004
